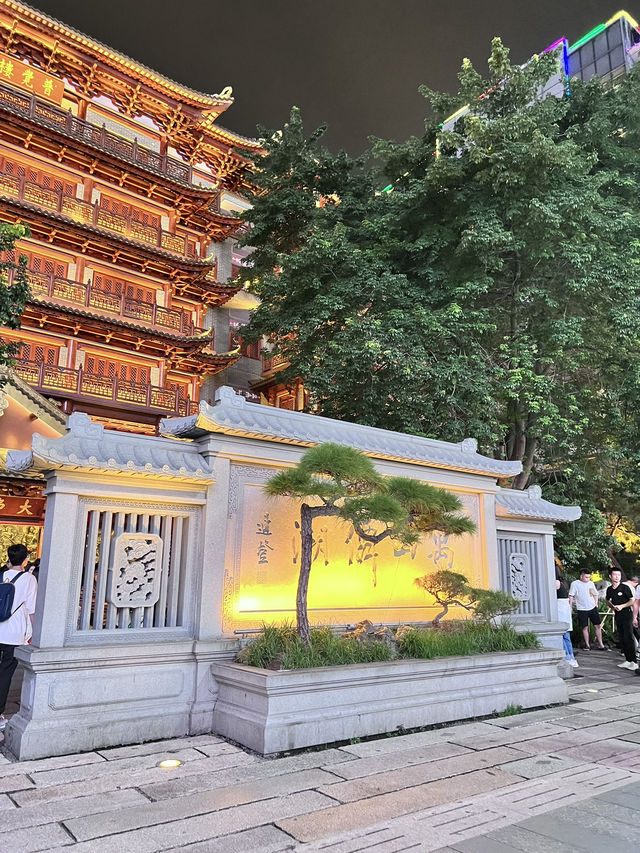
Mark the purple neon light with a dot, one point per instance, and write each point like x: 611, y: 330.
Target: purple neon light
x: 555, y: 44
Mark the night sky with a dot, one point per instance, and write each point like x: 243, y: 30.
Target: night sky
x: 353, y: 64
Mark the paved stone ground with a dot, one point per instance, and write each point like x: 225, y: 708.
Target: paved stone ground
x: 562, y: 779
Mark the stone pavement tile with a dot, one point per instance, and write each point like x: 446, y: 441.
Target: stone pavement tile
x: 629, y: 759
x: 394, y: 760
x: 45, y: 778
x: 151, y: 814
x: 539, y: 765
x: 446, y: 734
x: 264, y: 839
x: 350, y: 816
x: 383, y: 839
x: 574, y: 832
x: 631, y: 737
x: 598, y: 751
x: 152, y: 747
x: 629, y: 796
x: 612, y: 824
x: 31, y: 840
x: 525, y: 841
x: 15, y: 783
x: 132, y: 778
x: 203, y: 827
x: 14, y: 768
x: 5, y: 803
x: 505, y: 737
x: 252, y: 770
x: 621, y: 813
x: 559, y: 714
x: 481, y: 845
x: 418, y: 774
x: 78, y: 807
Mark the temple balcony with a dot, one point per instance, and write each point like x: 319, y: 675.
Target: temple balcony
x: 92, y: 214
x: 114, y: 393
x: 64, y: 292
x: 43, y: 112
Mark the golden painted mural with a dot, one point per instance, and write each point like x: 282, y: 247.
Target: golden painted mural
x: 350, y: 579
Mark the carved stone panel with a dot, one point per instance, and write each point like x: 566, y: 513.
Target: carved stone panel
x: 136, y: 571
x: 519, y: 574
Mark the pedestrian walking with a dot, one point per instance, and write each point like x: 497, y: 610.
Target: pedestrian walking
x: 16, y: 629
x: 620, y: 599
x: 564, y: 615
x: 585, y: 595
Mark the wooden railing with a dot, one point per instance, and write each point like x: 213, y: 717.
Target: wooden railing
x: 271, y: 362
x: 92, y: 214
x: 64, y: 291
x: 46, y: 113
x: 62, y: 381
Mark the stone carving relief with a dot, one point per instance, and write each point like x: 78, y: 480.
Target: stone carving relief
x: 137, y: 570
x: 519, y: 573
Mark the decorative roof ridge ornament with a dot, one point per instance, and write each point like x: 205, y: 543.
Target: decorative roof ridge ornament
x: 87, y: 446
x: 529, y: 503
x: 233, y: 414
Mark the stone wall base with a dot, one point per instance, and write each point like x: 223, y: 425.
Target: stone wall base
x: 273, y: 712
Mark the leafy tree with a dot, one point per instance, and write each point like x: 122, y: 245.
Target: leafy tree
x: 494, y: 292
x: 14, y: 293
x: 342, y: 482
x: 452, y: 588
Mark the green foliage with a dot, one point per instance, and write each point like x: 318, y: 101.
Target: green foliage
x: 452, y: 588
x: 489, y: 604
x: 469, y: 639
x: 325, y: 649
x: 12, y: 296
x: 509, y: 711
x: 493, y: 293
x: 284, y: 646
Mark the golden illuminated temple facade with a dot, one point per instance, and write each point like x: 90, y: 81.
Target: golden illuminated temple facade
x: 131, y: 192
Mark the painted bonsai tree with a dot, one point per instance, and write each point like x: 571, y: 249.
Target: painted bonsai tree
x: 335, y: 480
x: 453, y: 589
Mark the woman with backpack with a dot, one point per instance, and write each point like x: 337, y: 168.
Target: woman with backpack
x: 18, y: 590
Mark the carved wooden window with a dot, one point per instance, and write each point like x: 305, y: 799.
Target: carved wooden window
x: 180, y: 387
x: 107, y: 368
x: 39, y: 353
x: 43, y: 264
x: 123, y: 208
x: 117, y: 287
x: 38, y: 176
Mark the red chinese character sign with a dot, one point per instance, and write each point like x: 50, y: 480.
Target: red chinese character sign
x: 13, y: 72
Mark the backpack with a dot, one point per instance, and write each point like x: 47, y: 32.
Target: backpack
x: 7, y: 595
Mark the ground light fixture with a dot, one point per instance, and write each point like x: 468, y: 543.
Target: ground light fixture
x: 169, y: 763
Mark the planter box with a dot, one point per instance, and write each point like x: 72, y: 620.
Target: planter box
x: 273, y: 712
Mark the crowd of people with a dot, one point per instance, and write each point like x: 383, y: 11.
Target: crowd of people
x: 622, y: 597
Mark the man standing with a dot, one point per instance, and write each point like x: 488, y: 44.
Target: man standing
x: 585, y: 595
x: 620, y: 599
x: 16, y: 630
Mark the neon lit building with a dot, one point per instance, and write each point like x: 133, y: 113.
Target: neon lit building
x: 131, y: 190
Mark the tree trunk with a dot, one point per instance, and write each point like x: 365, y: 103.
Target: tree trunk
x: 306, y: 534
x: 307, y: 514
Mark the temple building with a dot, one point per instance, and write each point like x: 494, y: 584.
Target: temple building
x: 131, y: 192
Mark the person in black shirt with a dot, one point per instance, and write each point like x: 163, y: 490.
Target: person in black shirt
x: 620, y: 599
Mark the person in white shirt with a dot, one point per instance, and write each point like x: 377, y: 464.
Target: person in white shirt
x: 585, y: 595
x: 636, y: 610
x: 16, y: 630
